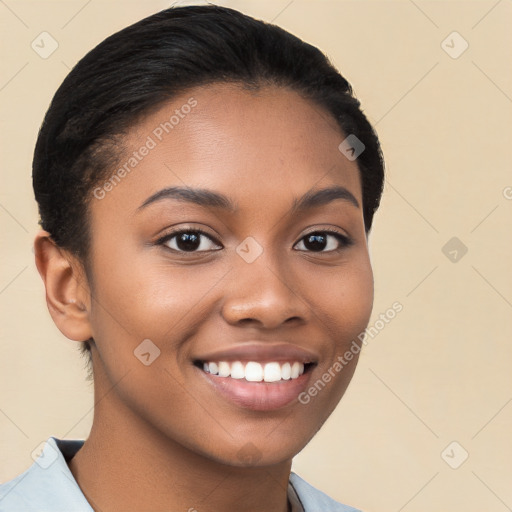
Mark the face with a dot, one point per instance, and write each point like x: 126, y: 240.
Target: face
x: 215, y: 251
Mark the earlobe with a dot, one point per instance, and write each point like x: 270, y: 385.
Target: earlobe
x: 67, y: 290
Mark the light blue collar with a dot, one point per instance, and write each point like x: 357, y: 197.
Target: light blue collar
x: 49, y: 486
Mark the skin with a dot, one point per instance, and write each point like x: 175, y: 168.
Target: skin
x: 161, y: 427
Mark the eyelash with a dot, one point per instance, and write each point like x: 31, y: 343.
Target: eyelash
x: 344, y: 240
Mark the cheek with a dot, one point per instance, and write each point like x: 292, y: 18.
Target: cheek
x: 139, y: 301
x: 345, y: 311
x: 346, y: 304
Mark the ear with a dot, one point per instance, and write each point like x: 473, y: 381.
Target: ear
x: 67, y: 289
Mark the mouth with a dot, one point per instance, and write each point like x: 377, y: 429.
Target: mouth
x: 258, y: 378
x: 255, y: 371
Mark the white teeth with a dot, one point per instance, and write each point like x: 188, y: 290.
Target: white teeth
x: 272, y: 372
x: 224, y: 369
x: 254, y: 371
x: 295, y: 370
x: 237, y: 370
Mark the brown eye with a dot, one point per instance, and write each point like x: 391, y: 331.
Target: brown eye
x: 323, y: 241
x: 191, y: 240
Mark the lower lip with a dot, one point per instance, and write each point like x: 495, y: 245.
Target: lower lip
x: 259, y: 396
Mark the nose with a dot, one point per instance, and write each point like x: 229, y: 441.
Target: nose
x: 264, y: 296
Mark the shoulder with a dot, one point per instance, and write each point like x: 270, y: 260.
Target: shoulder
x: 314, y: 500
x: 47, y: 485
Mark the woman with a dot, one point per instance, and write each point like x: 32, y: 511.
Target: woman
x: 206, y: 184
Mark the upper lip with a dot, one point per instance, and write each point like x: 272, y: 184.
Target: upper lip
x: 261, y: 351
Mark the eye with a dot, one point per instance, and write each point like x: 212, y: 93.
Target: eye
x: 189, y: 240
x: 324, y: 241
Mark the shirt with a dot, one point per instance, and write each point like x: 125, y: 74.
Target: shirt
x: 49, y: 486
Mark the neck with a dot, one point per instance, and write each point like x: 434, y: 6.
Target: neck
x: 127, y: 464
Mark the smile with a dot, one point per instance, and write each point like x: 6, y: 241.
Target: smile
x: 253, y: 371
x: 255, y: 385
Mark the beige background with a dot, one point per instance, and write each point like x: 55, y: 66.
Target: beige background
x: 440, y: 371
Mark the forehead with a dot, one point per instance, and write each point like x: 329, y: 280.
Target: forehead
x: 265, y: 145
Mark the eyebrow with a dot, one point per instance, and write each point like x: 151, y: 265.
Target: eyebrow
x: 324, y: 196
x: 210, y: 199
x: 199, y: 196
